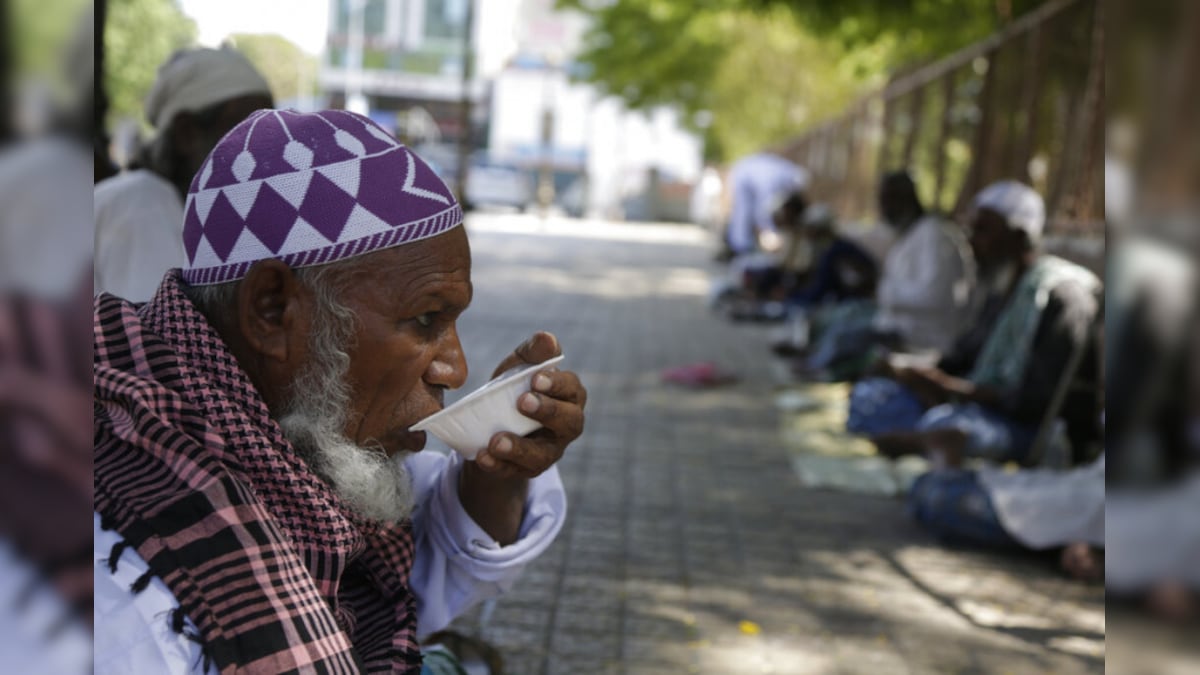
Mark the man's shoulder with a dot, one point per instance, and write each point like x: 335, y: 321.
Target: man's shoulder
x: 140, y: 182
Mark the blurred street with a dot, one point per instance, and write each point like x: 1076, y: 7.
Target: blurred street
x: 690, y: 545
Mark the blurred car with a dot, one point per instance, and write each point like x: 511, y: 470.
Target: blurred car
x: 492, y: 184
x: 489, y: 183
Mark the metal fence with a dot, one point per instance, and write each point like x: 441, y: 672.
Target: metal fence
x: 1026, y: 103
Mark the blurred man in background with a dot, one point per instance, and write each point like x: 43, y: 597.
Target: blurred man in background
x: 993, y: 410
x: 923, y: 297
x: 841, y: 269
x: 198, y: 96
x: 758, y: 184
x: 45, y: 418
x: 925, y: 287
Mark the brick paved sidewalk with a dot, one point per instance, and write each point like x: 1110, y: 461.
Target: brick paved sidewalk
x: 690, y: 545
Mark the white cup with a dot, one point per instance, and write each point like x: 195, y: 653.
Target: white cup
x: 469, y: 424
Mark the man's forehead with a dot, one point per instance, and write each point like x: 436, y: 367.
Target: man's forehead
x: 444, y: 259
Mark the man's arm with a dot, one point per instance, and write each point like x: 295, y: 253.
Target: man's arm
x: 1062, y: 329
x: 457, y: 564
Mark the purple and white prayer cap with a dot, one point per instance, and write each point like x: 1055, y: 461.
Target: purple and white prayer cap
x: 307, y: 189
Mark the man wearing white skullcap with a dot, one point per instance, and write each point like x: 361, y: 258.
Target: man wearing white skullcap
x: 198, y: 95
x: 987, y: 397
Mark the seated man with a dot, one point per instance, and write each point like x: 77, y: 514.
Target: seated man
x: 927, y: 278
x: 922, y: 299
x: 771, y: 281
x: 198, y: 96
x: 260, y: 501
x: 843, y: 270
x: 1046, y: 315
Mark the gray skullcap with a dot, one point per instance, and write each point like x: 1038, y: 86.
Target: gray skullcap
x: 195, y: 79
x: 1018, y: 203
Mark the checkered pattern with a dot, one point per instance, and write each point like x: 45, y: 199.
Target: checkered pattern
x: 309, y: 189
x: 278, y: 574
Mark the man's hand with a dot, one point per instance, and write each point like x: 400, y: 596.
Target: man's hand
x: 494, y: 485
x: 927, y: 383
x: 557, y: 402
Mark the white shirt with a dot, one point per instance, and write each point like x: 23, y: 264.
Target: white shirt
x: 925, y: 287
x: 456, y: 565
x: 1153, y: 536
x: 38, y: 635
x: 1043, y: 508
x: 757, y: 181
x: 139, y: 234
x: 44, y: 247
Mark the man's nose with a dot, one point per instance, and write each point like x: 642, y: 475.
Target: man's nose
x: 449, y: 366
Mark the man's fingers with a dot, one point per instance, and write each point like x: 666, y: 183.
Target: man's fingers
x: 560, y: 384
x: 509, y: 455
x: 541, y: 347
x: 563, y: 418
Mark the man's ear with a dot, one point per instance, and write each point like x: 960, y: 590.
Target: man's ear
x: 271, y: 309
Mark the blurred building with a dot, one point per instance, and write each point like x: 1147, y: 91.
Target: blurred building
x: 535, y: 130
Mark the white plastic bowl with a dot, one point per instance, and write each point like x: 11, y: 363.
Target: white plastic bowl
x: 469, y: 424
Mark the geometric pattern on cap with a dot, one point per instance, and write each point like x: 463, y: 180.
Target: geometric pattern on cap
x: 309, y: 189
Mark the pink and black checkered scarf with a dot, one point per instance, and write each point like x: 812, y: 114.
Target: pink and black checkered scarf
x: 277, y: 573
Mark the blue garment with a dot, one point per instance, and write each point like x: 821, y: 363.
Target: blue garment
x: 880, y: 405
x: 827, y: 283
x: 990, y: 434
x: 954, y: 506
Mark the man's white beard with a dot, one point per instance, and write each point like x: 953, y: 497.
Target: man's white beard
x: 314, y: 420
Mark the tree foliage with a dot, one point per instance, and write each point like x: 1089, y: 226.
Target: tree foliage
x: 744, y: 77
x: 918, y: 29
x: 139, y: 35
x: 289, y: 70
x: 40, y: 33
x: 765, y: 70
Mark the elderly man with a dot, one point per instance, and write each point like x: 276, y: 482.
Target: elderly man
x: 198, y: 96
x: 262, y: 505
x: 987, y: 396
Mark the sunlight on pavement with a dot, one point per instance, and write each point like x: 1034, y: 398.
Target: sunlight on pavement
x: 655, y: 233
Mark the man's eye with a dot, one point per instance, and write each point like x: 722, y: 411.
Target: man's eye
x: 425, y: 320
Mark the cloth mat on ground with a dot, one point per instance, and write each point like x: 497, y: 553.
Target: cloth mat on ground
x: 824, y: 455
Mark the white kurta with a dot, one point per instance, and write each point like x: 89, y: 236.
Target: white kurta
x: 1043, y: 508
x: 925, y: 287
x: 139, y: 234
x: 44, y: 247
x: 456, y: 566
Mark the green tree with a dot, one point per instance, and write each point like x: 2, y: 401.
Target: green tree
x: 747, y: 77
x: 769, y: 69
x: 41, y: 31
x: 289, y: 70
x: 139, y: 36
x: 918, y: 29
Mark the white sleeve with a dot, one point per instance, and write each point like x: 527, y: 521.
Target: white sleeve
x: 457, y: 564
x: 133, y: 631
x: 741, y: 218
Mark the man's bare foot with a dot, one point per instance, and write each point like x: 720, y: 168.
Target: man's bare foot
x: 1173, y: 601
x: 1080, y: 561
